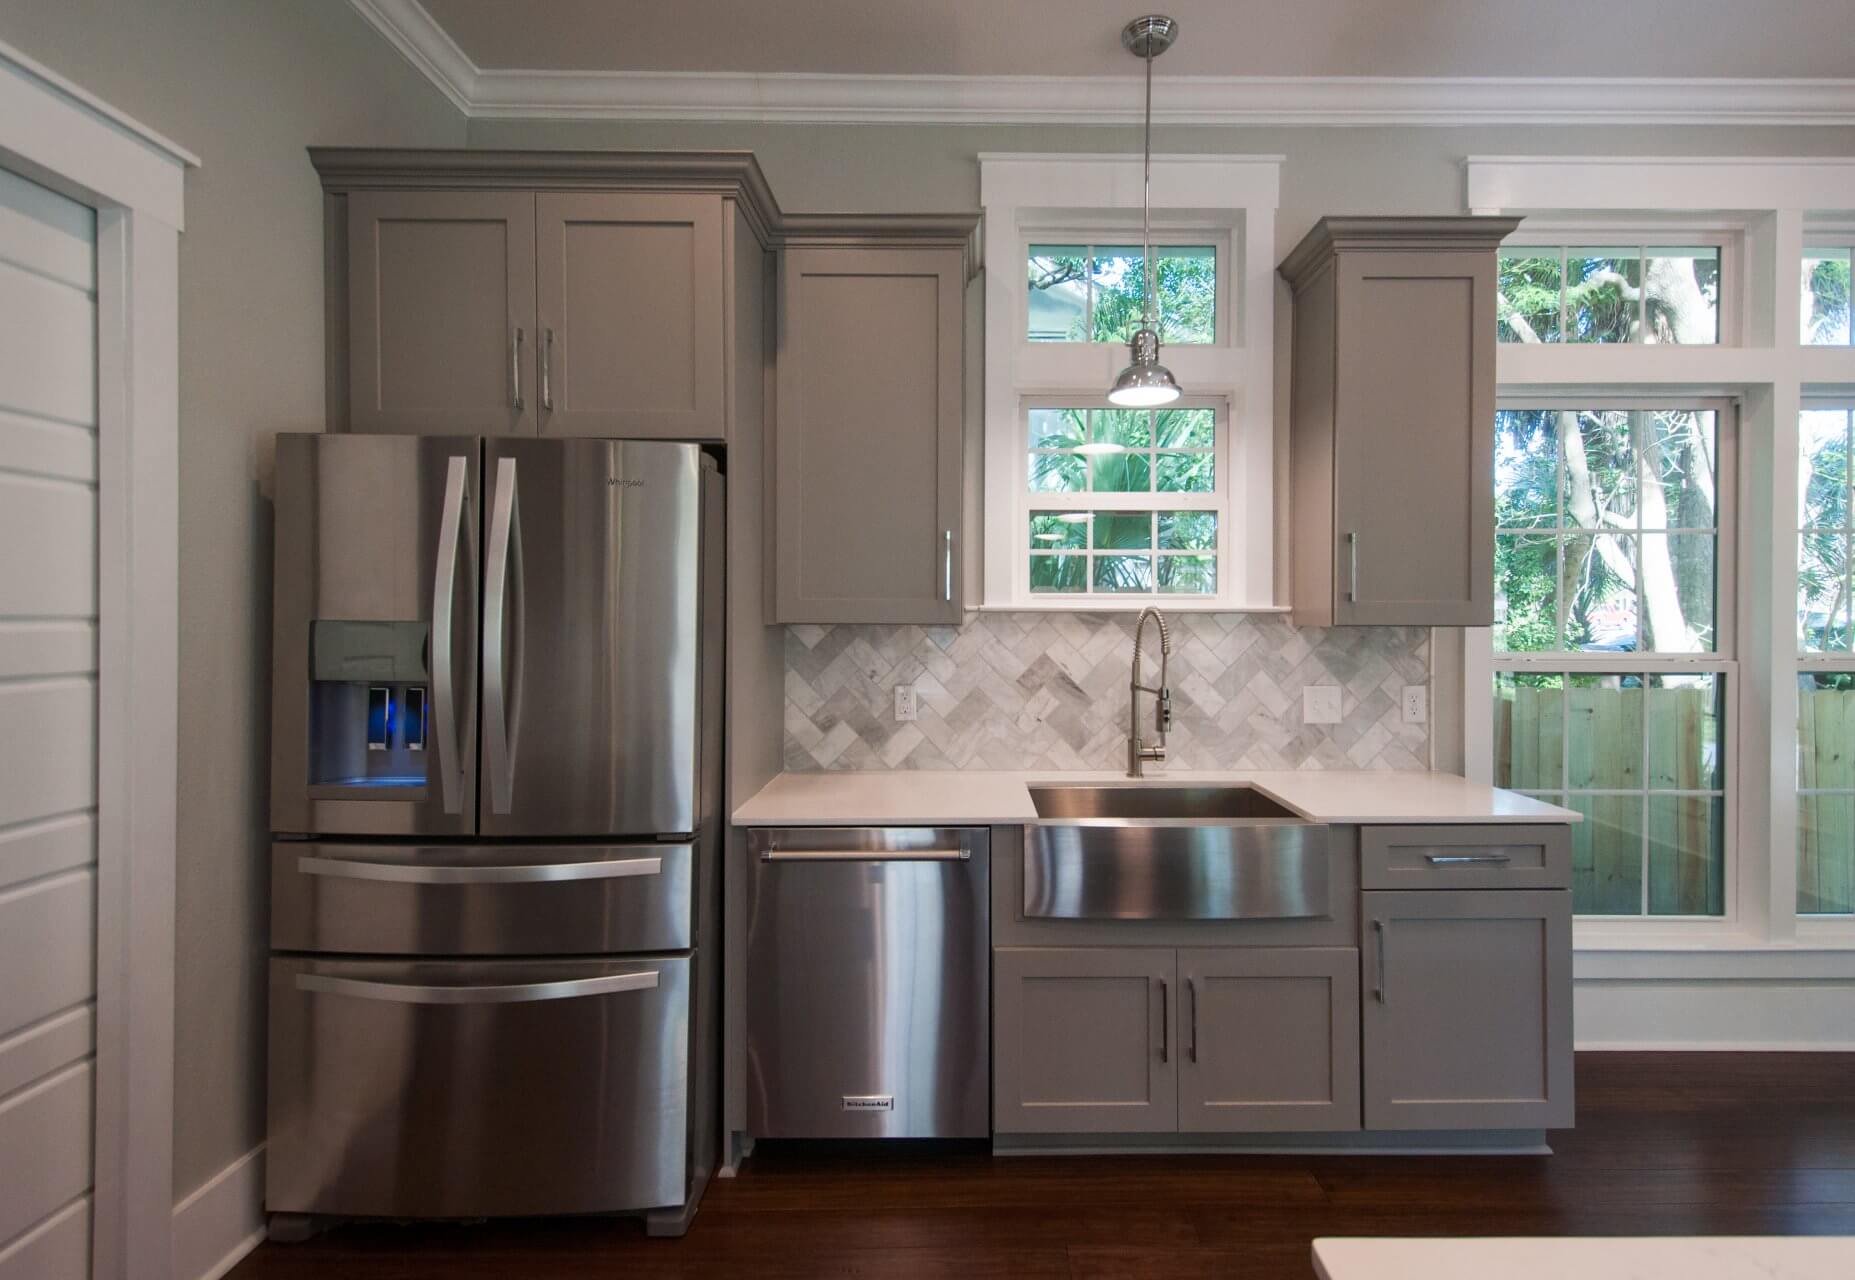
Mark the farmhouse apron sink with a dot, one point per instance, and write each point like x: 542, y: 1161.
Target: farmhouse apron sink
x: 1171, y: 853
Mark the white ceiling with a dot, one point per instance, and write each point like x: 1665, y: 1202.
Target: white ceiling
x: 1454, y: 38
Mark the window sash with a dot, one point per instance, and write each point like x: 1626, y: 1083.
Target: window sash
x: 1118, y: 234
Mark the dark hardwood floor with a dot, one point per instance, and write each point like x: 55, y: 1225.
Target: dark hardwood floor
x: 1666, y: 1144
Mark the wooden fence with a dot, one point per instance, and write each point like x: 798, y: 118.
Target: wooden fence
x: 1592, y: 738
x: 1826, y: 823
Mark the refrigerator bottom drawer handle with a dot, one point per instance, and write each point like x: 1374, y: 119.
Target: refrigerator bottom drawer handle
x: 865, y: 855
x: 404, y: 873
x: 519, y: 993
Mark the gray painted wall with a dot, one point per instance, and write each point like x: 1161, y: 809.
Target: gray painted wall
x: 245, y: 86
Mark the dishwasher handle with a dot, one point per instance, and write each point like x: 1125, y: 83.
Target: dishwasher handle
x: 865, y: 855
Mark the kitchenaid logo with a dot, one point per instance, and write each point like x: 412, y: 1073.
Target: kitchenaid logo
x: 620, y: 482
x: 869, y: 1102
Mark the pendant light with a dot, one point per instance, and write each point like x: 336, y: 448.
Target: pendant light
x: 1145, y: 382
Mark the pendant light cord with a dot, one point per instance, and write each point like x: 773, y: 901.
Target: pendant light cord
x: 1146, y: 199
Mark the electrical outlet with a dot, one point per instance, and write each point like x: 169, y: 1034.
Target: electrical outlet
x: 1320, y: 704
x: 904, y: 702
x: 1415, y: 703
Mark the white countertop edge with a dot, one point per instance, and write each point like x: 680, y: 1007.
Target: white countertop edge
x: 1587, y: 1257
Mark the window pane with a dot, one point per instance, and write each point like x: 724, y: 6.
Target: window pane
x: 1058, y: 473
x: 1598, y: 582
x: 1187, y: 472
x: 1679, y: 458
x: 1123, y: 530
x: 1057, y: 302
x: 1529, y: 295
x: 1188, y: 530
x: 1187, y: 292
x: 1603, y: 726
x: 1681, y: 295
x: 1687, y: 855
x: 1124, y: 573
x: 1826, y: 854
x: 1600, y: 468
x: 1058, y: 428
x: 1059, y: 573
x: 1607, y: 855
x: 1685, y: 715
x: 1826, y: 764
x: 1529, y: 730
x: 1678, y: 594
x: 1602, y: 289
x: 1525, y: 599
x: 1120, y: 292
x: 1129, y: 428
x: 1825, y: 297
x: 1823, y: 592
x: 1121, y: 473
x: 1188, y: 574
x: 1526, y: 468
x: 1823, y: 476
x: 1187, y: 428
x: 1055, y: 530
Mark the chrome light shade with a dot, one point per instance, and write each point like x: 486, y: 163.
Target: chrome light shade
x: 1145, y: 382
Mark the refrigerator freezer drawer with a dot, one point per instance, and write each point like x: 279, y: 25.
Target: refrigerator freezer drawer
x: 457, y: 900
x: 868, y: 983
x: 477, y: 1089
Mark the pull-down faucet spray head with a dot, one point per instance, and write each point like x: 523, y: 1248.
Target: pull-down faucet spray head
x: 1137, y: 752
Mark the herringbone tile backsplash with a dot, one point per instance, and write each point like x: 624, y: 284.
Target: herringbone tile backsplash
x: 1049, y: 691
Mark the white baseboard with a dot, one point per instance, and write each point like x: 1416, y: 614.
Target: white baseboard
x: 1738, y: 1015
x: 220, y: 1221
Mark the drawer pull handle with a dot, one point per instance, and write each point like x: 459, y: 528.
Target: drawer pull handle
x: 404, y: 873
x: 519, y: 993
x: 1459, y: 859
x: 864, y: 855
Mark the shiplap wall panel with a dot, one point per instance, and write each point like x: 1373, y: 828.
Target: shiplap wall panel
x: 45, y: 1143
x: 48, y: 709
x: 57, y: 1249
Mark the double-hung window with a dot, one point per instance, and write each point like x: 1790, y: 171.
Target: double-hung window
x: 1826, y: 661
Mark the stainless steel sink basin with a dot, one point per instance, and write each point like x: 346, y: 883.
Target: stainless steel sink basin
x: 1153, y: 803
x: 1171, y: 853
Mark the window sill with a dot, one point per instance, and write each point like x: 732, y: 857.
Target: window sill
x: 1720, y: 957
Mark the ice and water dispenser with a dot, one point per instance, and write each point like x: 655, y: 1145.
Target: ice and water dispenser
x: 369, y: 704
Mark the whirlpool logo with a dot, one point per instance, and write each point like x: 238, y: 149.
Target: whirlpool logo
x: 622, y: 482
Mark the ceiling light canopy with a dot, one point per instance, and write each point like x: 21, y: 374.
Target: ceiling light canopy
x: 1146, y: 383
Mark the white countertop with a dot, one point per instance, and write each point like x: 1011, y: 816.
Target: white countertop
x: 1614, y: 1258
x: 936, y: 798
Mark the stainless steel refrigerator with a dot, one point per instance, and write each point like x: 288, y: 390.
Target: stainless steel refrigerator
x: 495, y: 798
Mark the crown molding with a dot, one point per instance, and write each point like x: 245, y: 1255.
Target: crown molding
x: 1201, y: 100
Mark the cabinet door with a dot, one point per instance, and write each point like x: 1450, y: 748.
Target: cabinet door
x: 867, y: 437
x: 629, y: 308
x: 1084, y: 1041
x: 1414, y: 439
x: 1468, y: 1009
x: 1270, y: 1039
x: 441, y: 307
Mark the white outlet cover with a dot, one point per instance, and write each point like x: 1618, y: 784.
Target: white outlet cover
x: 1320, y: 704
x: 904, y: 702
x: 1415, y: 704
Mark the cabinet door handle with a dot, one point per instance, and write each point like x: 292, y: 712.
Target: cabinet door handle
x: 1456, y: 859
x: 1191, y: 990
x: 1378, y: 987
x: 515, y: 366
x: 946, y: 581
x: 1352, y: 561
x: 1165, y: 1022
x: 547, y: 370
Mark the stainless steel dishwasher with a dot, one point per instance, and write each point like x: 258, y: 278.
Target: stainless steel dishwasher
x: 868, y: 983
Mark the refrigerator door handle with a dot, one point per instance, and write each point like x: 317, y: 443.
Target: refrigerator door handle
x: 502, y: 667
x: 517, y: 993
x: 444, y: 610
x: 528, y: 873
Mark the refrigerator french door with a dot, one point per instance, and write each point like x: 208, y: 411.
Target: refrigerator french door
x: 495, y: 775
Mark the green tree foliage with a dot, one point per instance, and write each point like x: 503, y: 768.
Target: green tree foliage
x: 1187, y: 281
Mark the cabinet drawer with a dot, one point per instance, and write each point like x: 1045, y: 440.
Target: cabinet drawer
x: 1459, y: 857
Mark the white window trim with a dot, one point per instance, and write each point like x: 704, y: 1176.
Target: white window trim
x: 1770, y: 373
x: 1026, y: 198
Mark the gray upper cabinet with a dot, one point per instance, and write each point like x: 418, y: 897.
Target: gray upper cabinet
x: 1084, y: 1040
x: 867, y: 438
x: 1392, y: 421
x: 1468, y: 1009
x: 1269, y: 1040
x: 441, y: 301
x: 629, y: 317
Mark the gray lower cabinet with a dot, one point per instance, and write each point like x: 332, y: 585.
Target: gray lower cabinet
x: 1270, y: 1039
x: 1083, y: 1040
x: 1468, y: 1009
x: 441, y: 304
x: 868, y: 438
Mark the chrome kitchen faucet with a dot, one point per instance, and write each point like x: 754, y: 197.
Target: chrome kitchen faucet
x: 1137, y: 752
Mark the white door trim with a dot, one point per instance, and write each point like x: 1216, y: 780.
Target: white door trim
x: 60, y: 136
